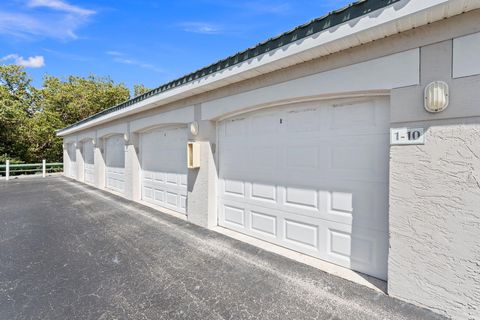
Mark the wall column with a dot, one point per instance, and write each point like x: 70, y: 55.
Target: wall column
x: 66, y: 160
x: 79, y: 161
x: 202, y: 182
x: 99, y: 163
x: 132, y: 168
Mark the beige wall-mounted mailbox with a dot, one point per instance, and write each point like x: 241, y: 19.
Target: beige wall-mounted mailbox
x: 193, y: 155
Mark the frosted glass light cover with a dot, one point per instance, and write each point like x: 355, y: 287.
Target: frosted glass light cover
x: 436, y: 96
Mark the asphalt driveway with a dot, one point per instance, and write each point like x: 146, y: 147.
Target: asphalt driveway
x: 68, y: 251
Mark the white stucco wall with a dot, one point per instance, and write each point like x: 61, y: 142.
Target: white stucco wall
x: 434, y: 258
x: 435, y: 220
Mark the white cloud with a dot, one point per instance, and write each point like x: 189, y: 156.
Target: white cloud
x: 200, y: 27
x: 120, y: 57
x: 30, y: 62
x: 60, y: 20
x: 60, y: 6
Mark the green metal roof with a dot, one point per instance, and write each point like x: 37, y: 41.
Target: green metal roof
x: 334, y: 18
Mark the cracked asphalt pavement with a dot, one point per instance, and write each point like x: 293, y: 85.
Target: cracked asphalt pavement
x: 68, y: 251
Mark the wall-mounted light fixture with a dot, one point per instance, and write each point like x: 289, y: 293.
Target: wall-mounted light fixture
x: 194, y: 128
x: 436, y: 96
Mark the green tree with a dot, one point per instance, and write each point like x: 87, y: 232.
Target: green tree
x: 76, y: 98
x: 16, y: 107
x: 41, y: 141
x: 64, y: 102
x: 29, y: 117
x: 139, y: 89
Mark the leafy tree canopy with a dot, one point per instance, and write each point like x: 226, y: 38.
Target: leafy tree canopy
x: 30, y: 116
x: 139, y: 89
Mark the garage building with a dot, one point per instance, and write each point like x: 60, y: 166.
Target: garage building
x: 352, y: 139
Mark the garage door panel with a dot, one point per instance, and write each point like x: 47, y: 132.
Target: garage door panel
x: 266, y: 125
x: 263, y: 223
x: 234, y: 215
x: 339, y: 202
x: 164, y: 172
x: 304, y: 120
x: 262, y: 156
x: 236, y: 188
x: 346, y: 244
x: 367, y: 117
x: 116, y: 179
x: 360, y: 249
x: 183, y: 180
x: 115, y: 163
x: 89, y: 173
x: 236, y: 127
x: 359, y: 115
x: 264, y: 192
x: 88, y: 158
x: 301, y: 234
x: 301, y: 197
x: 311, y: 177
x: 72, y: 158
x: 148, y: 192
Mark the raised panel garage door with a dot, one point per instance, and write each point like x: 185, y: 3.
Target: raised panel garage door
x: 115, y: 163
x: 312, y: 177
x: 72, y: 158
x: 88, y: 161
x: 164, y: 168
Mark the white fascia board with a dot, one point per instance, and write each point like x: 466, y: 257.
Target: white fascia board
x: 398, y: 17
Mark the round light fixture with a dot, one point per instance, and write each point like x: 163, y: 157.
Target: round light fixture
x: 194, y: 128
x: 436, y: 96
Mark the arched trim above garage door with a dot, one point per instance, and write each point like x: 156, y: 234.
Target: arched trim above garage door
x: 105, y: 132
x: 315, y: 98
x: 178, y: 117
x: 89, y: 135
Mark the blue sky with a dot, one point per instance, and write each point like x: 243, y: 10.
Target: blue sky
x: 140, y: 41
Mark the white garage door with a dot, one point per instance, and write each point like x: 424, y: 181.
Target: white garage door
x: 164, y: 167
x: 115, y: 163
x: 88, y: 162
x: 72, y: 158
x: 312, y: 177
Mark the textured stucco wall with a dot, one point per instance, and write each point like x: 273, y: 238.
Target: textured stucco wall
x: 202, y: 182
x: 66, y: 163
x: 99, y: 162
x: 132, y: 169
x: 435, y: 220
x: 80, y: 164
x: 434, y: 257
